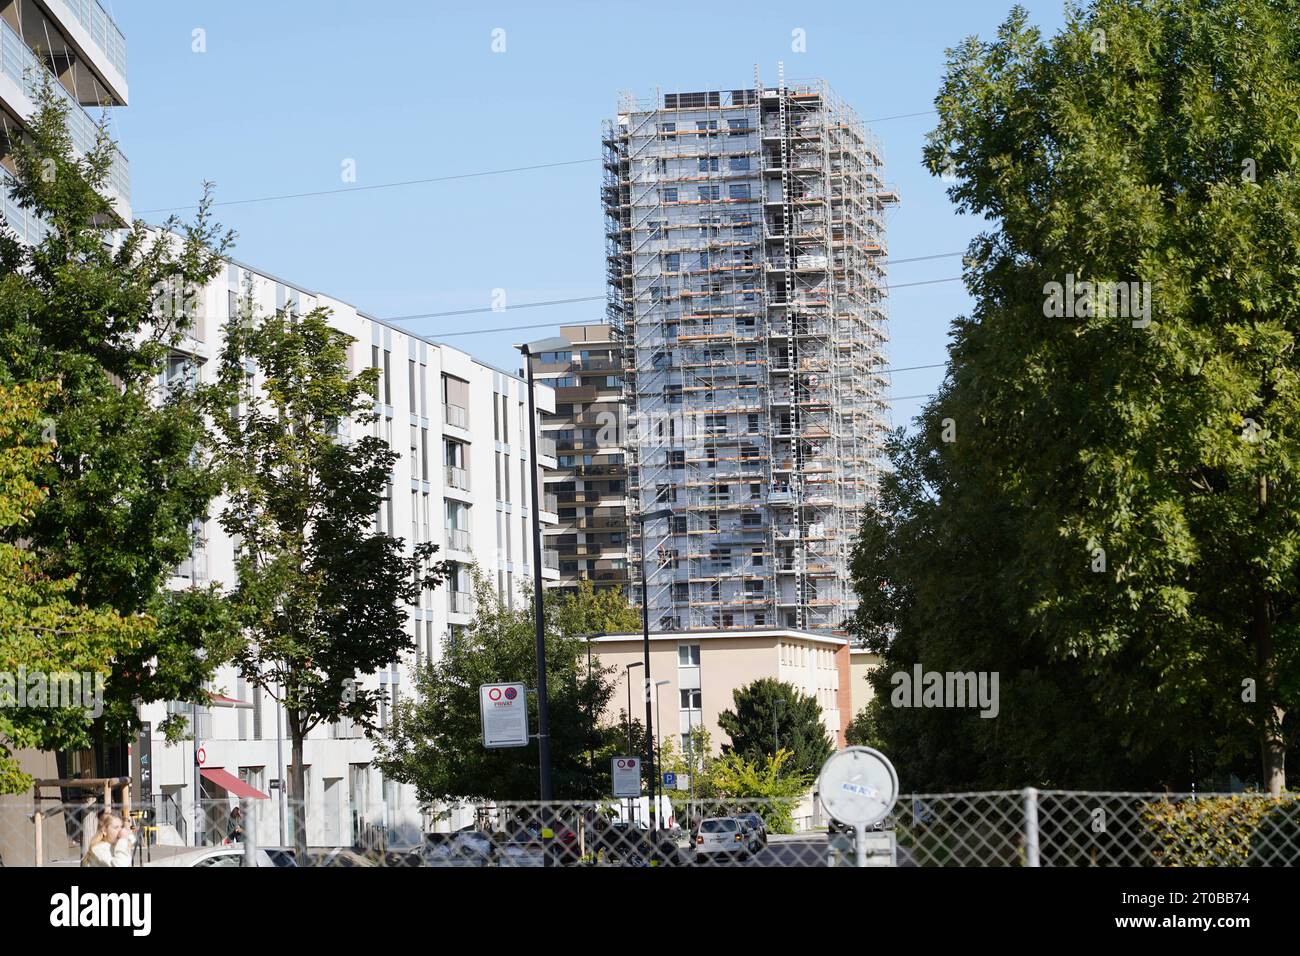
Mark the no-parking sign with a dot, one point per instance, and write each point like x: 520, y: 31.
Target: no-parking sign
x: 626, y: 772
x: 504, y: 709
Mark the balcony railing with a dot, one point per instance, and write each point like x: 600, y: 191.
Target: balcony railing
x: 546, y: 446
x: 31, y: 229
x: 551, y: 559
x: 457, y: 477
x: 102, y: 30
x: 460, y: 602
x: 456, y: 416
x: 21, y: 65
x: 458, y: 539
x: 550, y: 503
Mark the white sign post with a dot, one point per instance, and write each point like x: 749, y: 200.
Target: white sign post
x: 626, y: 772
x: 504, y: 708
x: 859, y: 787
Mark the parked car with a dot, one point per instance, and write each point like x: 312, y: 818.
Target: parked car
x: 720, y: 837
x: 758, y: 830
x: 228, y: 855
x: 467, y: 847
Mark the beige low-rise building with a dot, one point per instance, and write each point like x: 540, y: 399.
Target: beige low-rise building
x: 702, y: 668
x: 861, y: 664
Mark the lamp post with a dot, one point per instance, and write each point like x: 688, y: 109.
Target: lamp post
x: 659, y: 721
x: 628, y: 671
x: 645, y: 631
x: 539, y: 612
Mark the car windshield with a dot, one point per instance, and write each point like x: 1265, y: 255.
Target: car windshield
x: 717, y: 826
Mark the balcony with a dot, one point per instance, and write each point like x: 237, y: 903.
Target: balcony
x: 550, y: 503
x: 456, y: 477
x: 455, y: 416
x: 103, y: 31
x: 460, y: 602
x: 546, y: 447
x: 21, y: 66
x: 458, y: 539
x: 551, y: 559
x: 30, y: 228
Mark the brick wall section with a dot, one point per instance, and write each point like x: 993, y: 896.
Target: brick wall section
x: 844, y: 694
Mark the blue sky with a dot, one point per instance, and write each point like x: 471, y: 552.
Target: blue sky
x: 287, y: 92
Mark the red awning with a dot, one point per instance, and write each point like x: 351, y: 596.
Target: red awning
x: 230, y: 783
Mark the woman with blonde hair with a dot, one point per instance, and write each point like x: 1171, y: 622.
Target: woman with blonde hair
x: 111, y: 845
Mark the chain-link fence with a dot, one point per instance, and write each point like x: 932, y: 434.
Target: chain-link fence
x: 1006, y: 828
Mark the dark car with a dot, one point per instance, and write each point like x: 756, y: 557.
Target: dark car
x: 758, y: 830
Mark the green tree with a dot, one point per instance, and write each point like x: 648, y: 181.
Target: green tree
x: 42, y: 629
x: 320, y: 594
x: 1100, y: 503
x: 772, y: 715
x: 588, y: 611
x: 98, y: 309
x: 768, y: 785
x: 436, y: 738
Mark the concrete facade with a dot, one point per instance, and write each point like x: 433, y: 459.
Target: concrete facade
x: 704, y: 667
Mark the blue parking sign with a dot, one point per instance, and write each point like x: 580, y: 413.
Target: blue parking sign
x: 670, y: 780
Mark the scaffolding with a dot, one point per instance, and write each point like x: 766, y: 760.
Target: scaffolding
x: 745, y: 245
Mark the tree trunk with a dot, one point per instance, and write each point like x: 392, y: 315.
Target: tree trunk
x: 1272, y: 743
x: 297, y: 797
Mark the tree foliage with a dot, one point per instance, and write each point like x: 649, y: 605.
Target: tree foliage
x: 42, y: 628
x: 436, y: 740
x: 320, y: 593
x: 126, y: 481
x: 769, y: 785
x: 772, y: 715
x: 1100, y: 504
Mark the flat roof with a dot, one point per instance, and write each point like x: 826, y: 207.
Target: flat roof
x: 272, y: 277
x: 707, y: 635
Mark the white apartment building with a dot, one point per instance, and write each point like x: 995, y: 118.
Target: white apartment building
x: 460, y: 428
x: 76, y: 44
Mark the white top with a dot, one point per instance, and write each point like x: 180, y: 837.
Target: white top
x: 119, y: 855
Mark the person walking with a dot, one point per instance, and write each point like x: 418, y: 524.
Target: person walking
x: 111, y: 845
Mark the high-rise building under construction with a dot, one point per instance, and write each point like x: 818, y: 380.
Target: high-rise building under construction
x: 746, y: 244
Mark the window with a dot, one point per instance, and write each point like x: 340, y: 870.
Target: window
x: 708, y: 164
x: 668, y: 129
x: 706, y: 128
x: 710, y: 192
x: 691, y: 698
x: 739, y: 163
x: 738, y: 191
x: 670, y: 194
x: 672, y: 263
x: 688, y: 655
x: 739, y: 126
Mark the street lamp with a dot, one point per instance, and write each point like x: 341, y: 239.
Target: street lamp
x: 659, y: 721
x: 628, y: 670
x: 528, y: 350
x: 641, y: 519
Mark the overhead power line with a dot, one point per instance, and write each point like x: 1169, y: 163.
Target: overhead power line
x: 434, y: 179
x: 601, y: 298
x: 360, y: 189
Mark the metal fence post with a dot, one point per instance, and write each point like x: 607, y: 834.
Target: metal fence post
x: 250, y: 821
x: 1031, y: 827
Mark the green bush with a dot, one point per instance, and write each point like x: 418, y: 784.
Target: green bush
x: 1210, y: 831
